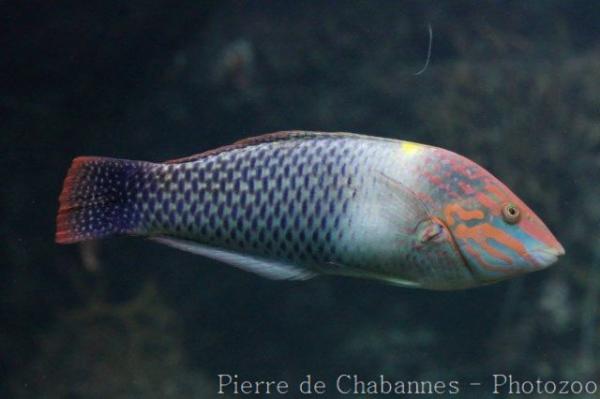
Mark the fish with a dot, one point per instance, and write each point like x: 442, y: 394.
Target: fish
x: 294, y: 205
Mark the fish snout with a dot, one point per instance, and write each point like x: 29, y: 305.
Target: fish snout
x: 547, y: 255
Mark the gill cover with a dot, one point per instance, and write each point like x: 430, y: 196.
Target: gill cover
x: 432, y: 258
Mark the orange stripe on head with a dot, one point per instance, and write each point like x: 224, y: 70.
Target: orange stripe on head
x: 481, y: 233
x: 487, y: 202
x: 479, y: 259
x: 462, y: 213
x: 496, y: 253
x: 466, y: 188
x: 495, y: 191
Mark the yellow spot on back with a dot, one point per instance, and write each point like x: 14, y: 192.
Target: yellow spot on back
x: 409, y: 148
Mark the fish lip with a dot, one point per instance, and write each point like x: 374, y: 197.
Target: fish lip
x: 546, y: 256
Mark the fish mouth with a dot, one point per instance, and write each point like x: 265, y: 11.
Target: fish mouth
x: 547, y: 256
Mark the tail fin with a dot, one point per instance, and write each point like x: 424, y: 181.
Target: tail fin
x: 98, y: 199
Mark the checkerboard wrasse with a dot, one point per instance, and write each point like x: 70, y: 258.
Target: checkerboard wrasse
x: 294, y: 205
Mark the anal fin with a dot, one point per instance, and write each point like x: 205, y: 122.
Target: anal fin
x: 335, y: 268
x: 276, y: 270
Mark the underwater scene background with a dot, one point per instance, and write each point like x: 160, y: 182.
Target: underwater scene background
x: 515, y: 86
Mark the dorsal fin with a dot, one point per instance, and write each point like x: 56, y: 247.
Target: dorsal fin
x: 286, y: 135
x: 264, y: 138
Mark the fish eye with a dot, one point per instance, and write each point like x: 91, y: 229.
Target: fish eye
x: 510, y: 213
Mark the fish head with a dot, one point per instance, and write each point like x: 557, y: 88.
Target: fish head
x: 497, y: 234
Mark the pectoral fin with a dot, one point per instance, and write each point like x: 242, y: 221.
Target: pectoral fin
x: 400, y: 204
x: 268, y: 268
